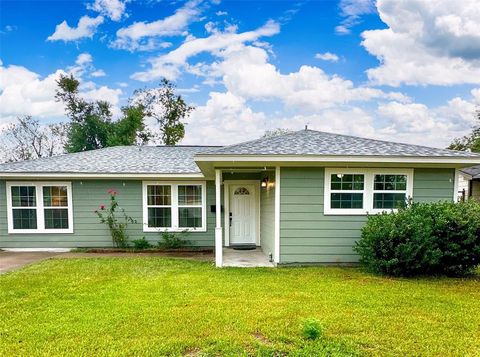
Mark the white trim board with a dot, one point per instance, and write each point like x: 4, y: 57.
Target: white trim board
x: 85, y: 176
x: 277, y: 215
x: 335, y: 158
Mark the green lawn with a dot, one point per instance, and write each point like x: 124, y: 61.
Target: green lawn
x: 159, y: 306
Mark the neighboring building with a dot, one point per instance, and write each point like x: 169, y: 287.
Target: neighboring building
x: 302, y: 197
x: 470, y: 182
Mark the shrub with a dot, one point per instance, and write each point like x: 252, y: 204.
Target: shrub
x: 116, y: 225
x: 312, y: 329
x: 171, y: 241
x: 141, y: 244
x: 423, y: 239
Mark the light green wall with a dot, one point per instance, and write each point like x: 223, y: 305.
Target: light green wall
x: 267, y: 215
x: 88, y: 231
x: 433, y: 185
x: 308, y: 236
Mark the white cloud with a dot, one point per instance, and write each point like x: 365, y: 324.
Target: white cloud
x: 84, y: 59
x: 143, y: 36
x: 224, y: 119
x: 98, y: 73
x: 113, y: 9
x: 221, y: 13
x: 416, y: 123
x: 426, y: 42
x: 86, y: 27
x: 246, y: 72
x: 84, y: 66
x: 24, y: 92
x: 327, y: 56
x: 352, y: 10
x: 170, y: 64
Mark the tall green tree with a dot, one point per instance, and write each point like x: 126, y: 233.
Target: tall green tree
x: 168, y: 108
x: 91, y: 124
x: 470, y: 141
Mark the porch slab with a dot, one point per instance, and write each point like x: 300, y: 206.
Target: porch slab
x: 245, y: 258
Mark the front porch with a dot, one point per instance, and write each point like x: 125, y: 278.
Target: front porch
x: 245, y: 258
x: 247, y: 212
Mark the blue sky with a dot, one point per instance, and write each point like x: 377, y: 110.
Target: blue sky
x: 406, y: 71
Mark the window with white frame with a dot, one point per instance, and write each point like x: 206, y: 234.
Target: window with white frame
x: 389, y: 191
x: 362, y: 191
x: 172, y: 206
x: 39, y: 207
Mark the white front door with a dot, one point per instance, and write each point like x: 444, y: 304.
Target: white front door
x: 243, y: 214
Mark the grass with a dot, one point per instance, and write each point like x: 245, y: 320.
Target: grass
x: 165, y: 306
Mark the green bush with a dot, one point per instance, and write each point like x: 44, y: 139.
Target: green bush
x: 141, y: 244
x: 423, y: 239
x: 312, y: 329
x: 171, y: 241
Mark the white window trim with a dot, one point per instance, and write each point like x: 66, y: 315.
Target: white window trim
x: 174, y: 206
x: 39, y: 207
x: 368, y: 191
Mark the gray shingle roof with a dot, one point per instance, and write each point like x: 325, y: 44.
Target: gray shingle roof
x: 119, y: 160
x: 311, y: 142
x: 473, y: 171
x: 181, y: 159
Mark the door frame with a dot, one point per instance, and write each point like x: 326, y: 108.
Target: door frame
x: 226, y: 198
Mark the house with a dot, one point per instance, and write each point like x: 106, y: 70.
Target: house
x: 469, y: 182
x: 302, y: 197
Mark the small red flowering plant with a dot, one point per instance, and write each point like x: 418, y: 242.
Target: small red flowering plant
x: 116, y: 220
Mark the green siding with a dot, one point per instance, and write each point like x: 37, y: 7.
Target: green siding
x: 267, y: 216
x: 433, y: 185
x: 87, y: 196
x: 308, y: 236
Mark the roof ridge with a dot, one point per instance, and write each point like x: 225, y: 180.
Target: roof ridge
x: 262, y: 138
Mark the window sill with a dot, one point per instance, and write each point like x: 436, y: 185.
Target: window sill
x: 174, y: 230
x: 36, y: 231
x: 357, y: 212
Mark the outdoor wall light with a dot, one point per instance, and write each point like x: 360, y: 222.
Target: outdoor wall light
x: 264, y: 183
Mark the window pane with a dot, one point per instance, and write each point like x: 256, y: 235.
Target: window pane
x: 390, y: 182
x: 160, y: 217
x: 159, y: 195
x: 347, y: 182
x: 190, y: 195
x: 56, y: 218
x: 24, y: 218
x: 189, y: 217
x: 346, y: 200
x: 389, y: 200
x: 55, y: 196
x: 23, y: 196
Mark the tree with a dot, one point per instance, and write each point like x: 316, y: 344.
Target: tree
x: 167, y: 108
x: 27, y: 139
x: 91, y: 125
x: 469, y: 142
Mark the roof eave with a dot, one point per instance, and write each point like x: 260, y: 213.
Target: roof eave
x: 337, y: 158
x: 87, y: 175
